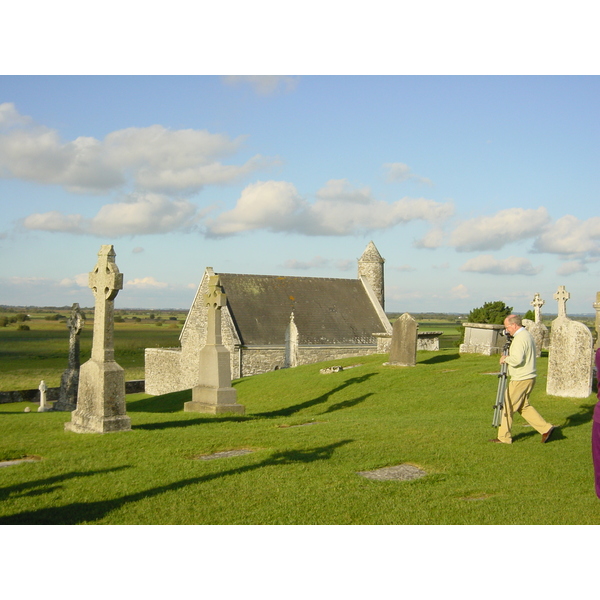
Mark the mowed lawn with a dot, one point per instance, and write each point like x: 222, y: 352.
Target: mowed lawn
x: 309, y: 435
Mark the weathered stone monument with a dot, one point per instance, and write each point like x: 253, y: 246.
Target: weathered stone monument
x: 214, y: 393
x: 597, y: 307
x: 536, y: 328
x: 482, y: 338
x: 101, y: 392
x: 570, y: 359
x: 44, y: 407
x: 69, y: 382
x: 403, y: 347
x: 291, y: 344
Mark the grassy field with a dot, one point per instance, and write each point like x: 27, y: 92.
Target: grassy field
x: 309, y: 436
x: 42, y: 352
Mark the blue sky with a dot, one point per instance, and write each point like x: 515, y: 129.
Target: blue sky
x: 473, y: 188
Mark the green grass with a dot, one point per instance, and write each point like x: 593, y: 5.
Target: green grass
x: 27, y: 357
x: 436, y: 416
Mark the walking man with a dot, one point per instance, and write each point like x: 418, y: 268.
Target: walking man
x: 522, y: 372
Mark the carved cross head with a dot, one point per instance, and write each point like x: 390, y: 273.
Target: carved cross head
x: 561, y: 297
x: 215, y: 298
x: 106, y: 280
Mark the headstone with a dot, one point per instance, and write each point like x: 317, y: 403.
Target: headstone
x: 597, y: 307
x: 429, y: 340
x: 214, y: 393
x: 101, y: 392
x: 69, y: 382
x: 536, y: 328
x: 482, y: 338
x: 570, y: 360
x: 291, y: 344
x: 44, y: 407
x: 403, y: 348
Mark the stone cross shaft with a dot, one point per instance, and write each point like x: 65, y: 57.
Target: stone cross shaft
x: 537, y: 304
x: 215, y: 300
x: 561, y: 297
x: 596, y: 305
x: 75, y: 324
x: 105, y: 281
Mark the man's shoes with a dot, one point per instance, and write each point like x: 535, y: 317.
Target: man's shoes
x: 546, y: 436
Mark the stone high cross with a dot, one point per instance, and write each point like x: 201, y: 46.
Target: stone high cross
x: 537, y: 304
x: 75, y: 324
x: 215, y: 299
x: 105, y: 281
x: 561, y: 297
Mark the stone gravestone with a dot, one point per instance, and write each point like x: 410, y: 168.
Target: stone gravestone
x: 403, y: 348
x: 482, y: 338
x: 597, y: 307
x: 291, y: 344
x: 214, y: 393
x: 570, y: 359
x: 43, y: 402
x: 101, y: 393
x: 536, y: 328
x: 69, y: 382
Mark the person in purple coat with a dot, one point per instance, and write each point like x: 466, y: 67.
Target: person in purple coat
x: 596, y: 430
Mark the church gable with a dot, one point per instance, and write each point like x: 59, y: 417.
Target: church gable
x: 326, y: 311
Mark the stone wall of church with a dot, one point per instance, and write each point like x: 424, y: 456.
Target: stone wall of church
x: 162, y: 371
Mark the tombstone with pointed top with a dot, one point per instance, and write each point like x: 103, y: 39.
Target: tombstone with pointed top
x: 214, y: 393
x: 570, y: 360
x: 101, y: 391
x: 44, y: 407
x: 536, y: 328
x: 291, y: 344
x: 403, y: 347
x: 69, y: 382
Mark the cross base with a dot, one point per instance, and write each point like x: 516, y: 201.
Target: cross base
x: 214, y: 401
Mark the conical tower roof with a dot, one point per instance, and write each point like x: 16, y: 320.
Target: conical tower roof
x: 371, y: 254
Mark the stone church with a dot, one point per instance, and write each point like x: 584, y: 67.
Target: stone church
x: 273, y: 322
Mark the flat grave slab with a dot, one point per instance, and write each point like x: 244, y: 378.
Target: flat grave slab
x: 402, y: 472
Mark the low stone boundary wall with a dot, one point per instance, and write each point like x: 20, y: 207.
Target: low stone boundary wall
x: 131, y: 387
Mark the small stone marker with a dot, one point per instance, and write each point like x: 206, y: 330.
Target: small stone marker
x: 43, y: 401
x: 214, y: 393
x: 399, y: 473
x: 537, y: 304
x: 225, y: 454
x: 101, y: 391
x: 570, y: 360
x: 403, y: 348
x: 69, y: 382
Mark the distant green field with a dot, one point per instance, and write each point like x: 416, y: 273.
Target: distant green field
x: 27, y: 357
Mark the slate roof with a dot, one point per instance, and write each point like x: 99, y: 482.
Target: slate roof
x: 326, y: 310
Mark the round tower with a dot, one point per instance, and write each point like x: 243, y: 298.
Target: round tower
x: 370, y: 265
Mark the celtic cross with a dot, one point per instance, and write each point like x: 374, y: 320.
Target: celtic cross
x: 537, y: 304
x: 561, y: 297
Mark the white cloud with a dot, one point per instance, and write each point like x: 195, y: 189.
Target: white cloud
x: 264, y: 85
x: 137, y: 250
x: 139, y: 214
x: 153, y: 158
x: 570, y: 236
x: 513, y: 265
x: 81, y: 280
x: 506, y: 226
x: 432, y: 239
x: 402, y: 172
x: 460, y: 291
x: 571, y: 267
x: 145, y: 283
x: 339, y: 210
x: 10, y: 117
x: 404, y: 268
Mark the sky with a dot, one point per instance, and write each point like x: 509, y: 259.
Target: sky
x: 473, y: 188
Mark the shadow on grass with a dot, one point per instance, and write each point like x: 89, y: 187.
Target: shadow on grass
x: 582, y: 417
x: 290, y: 410
x: 45, y: 486
x: 442, y: 358
x: 346, y: 404
x: 190, y: 422
x: 87, y: 512
x: 166, y: 403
